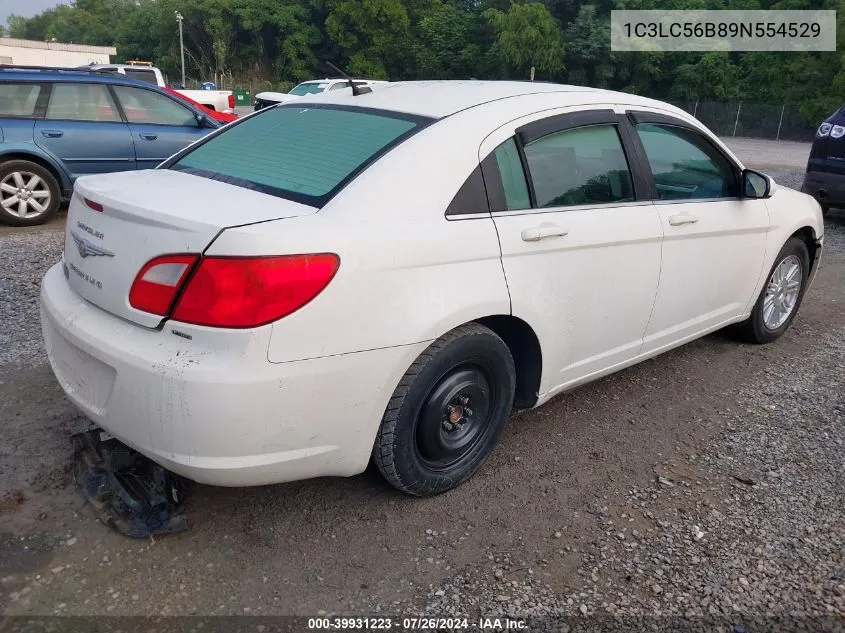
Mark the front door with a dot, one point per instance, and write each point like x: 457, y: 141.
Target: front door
x: 160, y: 125
x: 714, y: 240
x: 580, y: 249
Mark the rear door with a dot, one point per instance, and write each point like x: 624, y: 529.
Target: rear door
x: 160, y: 125
x: 580, y: 249
x: 83, y: 128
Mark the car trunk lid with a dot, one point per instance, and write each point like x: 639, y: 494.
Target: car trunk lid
x: 146, y: 214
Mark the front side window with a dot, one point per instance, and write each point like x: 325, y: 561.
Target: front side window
x: 685, y: 165
x: 339, y: 85
x: 579, y: 166
x: 148, y: 76
x: 302, y: 153
x: 18, y: 99
x: 81, y: 102
x: 308, y: 89
x: 146, y: 106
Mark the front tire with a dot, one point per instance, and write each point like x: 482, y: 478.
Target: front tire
x: 781, y: 297
x: 29, y: 194
x: 447, y: 413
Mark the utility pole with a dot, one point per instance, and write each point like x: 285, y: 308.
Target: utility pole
x: 181, y: 47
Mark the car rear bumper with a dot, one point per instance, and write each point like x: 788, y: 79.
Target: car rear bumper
x: 828, y: 188
x: 223, y: 415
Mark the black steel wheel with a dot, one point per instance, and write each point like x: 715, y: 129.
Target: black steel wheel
x: 447, y: 413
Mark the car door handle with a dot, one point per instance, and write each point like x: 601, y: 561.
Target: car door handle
x: 52, y: 133
x: 682, y: 218
x: 149, y: 137
x: 543, y: 231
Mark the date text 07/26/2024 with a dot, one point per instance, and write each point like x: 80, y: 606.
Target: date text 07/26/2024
x: 416, y: 624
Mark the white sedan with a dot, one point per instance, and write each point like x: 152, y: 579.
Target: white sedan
x: 386, y: 276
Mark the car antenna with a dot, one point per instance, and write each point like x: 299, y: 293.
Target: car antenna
x: 356, y: 89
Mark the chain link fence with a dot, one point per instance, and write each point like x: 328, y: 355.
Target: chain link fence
x: 750, y: 119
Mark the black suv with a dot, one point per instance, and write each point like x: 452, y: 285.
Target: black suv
x: 825, y: 177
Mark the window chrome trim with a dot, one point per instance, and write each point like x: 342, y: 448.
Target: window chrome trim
x: 578, y: 207
x: 688, y: 200
x: 468, y: 216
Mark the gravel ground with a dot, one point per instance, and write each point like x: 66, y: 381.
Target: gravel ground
x: 704, y: 483
x: 24, y: 258
x: 753, y: 524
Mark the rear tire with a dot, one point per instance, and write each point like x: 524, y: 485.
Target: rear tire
x: 447, y: 413
x: 777, y: 306
x: 29, y: 193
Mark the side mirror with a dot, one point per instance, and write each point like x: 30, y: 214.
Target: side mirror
x: 204, y: 121
x: 755, y: 185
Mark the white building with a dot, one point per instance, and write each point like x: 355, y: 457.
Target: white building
x: 33, y: 53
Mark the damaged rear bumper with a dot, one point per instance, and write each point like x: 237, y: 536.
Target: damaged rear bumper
x: 211, y: 407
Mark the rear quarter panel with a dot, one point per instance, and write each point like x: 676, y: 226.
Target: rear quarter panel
x: 407, y: 274
x: 16, y: 140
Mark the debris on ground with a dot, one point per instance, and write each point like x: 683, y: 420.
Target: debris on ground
x: 128, y: 491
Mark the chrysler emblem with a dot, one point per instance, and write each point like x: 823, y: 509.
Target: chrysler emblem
x: 87, y: 249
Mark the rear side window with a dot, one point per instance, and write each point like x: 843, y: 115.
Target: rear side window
x: 301, y: 153
x: 18, y: 99
x: 513, y: 176
x: 579, y: 166
x: 81, y: 102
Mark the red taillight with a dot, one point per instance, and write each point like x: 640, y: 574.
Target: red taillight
x: 155, y: 287
x: 94, y: 205
x: 231, y: 102
x: 242, y: 292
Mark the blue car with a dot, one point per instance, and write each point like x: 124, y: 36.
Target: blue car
x: 59, y: 124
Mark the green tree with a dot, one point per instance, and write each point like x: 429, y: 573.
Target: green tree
x: 525, y: 36
x: 589, y: 61
x: 367, y: 32
x: 444, y: 46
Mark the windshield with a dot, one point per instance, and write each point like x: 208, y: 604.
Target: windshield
x: 302, y: 153
x: 308, y: 89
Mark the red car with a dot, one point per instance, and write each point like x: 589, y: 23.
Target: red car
x: 214, y: 114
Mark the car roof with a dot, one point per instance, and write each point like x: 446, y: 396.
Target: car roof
x: 136, y: 67
x: 438, y: 99
x: 70, y: 74
x: 322, y: 81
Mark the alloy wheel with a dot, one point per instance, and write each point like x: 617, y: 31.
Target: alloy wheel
x: 782, y: 292
x: 24, y: 194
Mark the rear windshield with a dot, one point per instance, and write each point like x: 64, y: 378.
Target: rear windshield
x: 148, y: 76
x: 302, y: 153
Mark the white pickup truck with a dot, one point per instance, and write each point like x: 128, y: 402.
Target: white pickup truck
x: 220, y: 100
